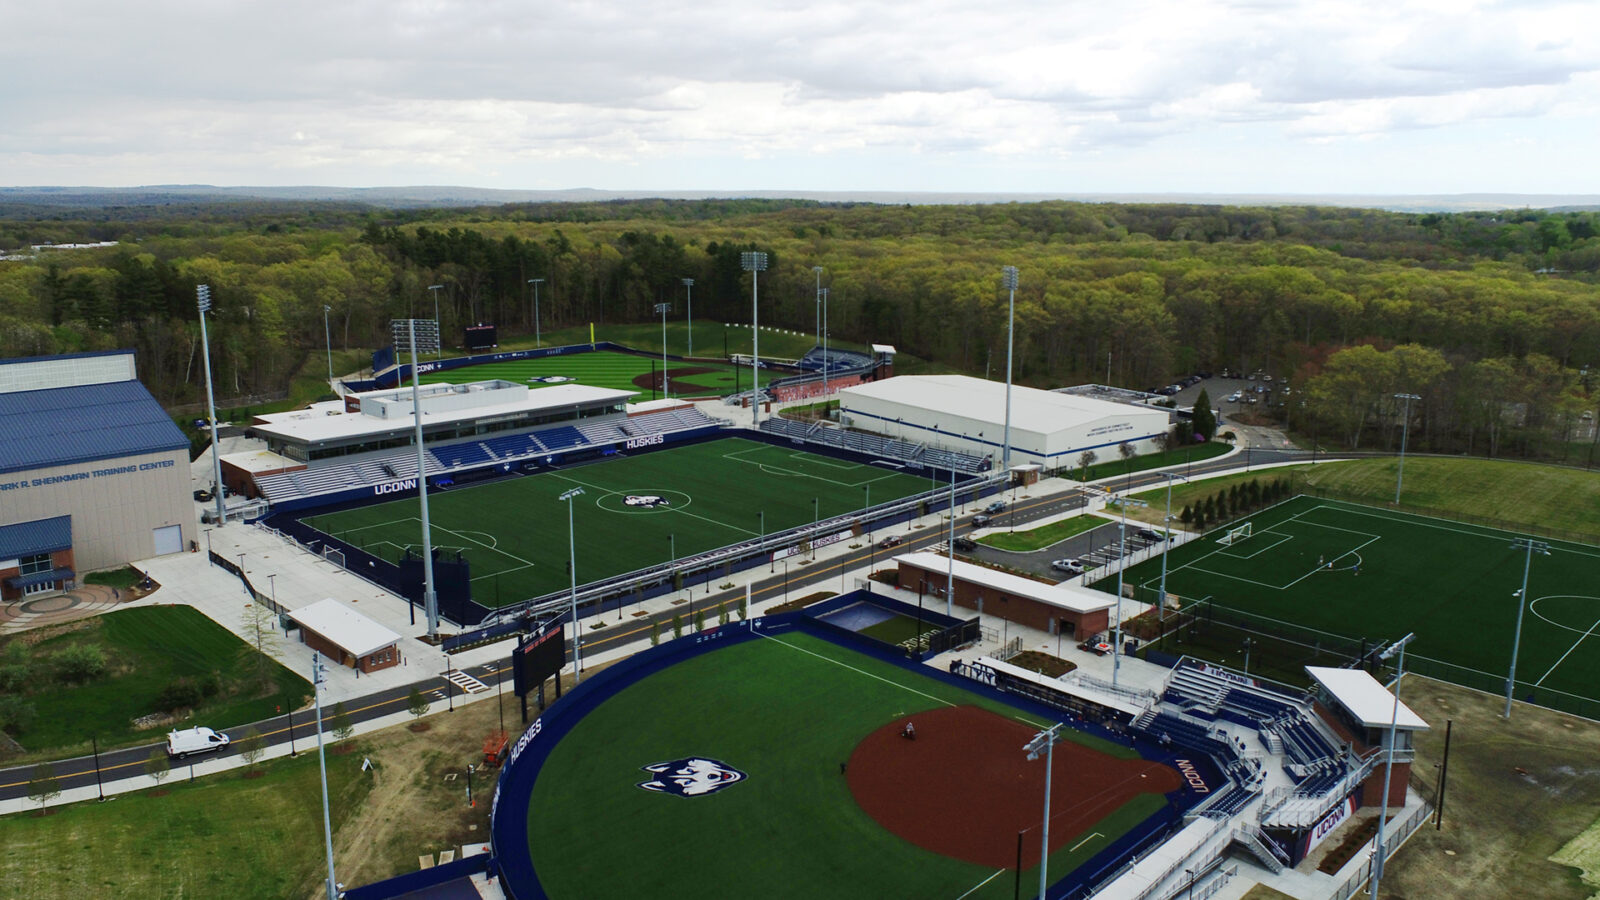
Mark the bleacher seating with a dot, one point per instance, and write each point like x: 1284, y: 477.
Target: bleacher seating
x: 601, y: 432
x: 556, y: 439
x: 875, y: 445
x: 459, y: 456
x: 510, y: 447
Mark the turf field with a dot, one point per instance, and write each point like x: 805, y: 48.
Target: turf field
x: 1359, y: 571
x: 609, y: 369
x: 720, y: 492
x: 784, y: 710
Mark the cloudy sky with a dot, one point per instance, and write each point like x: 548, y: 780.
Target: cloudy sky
x: 1331, y: 96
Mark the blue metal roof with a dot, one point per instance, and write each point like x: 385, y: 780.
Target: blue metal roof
x: 33, y: 538
x: 66, y: 425
x: 23, y: 581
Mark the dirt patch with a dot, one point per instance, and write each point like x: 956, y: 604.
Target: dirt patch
x: 799, y: 603
x: 968, y: 759
x: 1043, y: 663
x: 652, y: 380
x: 1516, y: 793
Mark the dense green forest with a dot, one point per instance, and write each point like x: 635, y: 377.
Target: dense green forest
x: 1492, y: 318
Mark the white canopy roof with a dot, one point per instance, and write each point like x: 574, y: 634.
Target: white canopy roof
x: 344, y: 626
x: 1067, y: 597
x: 983, y: 401
x: 1365, y: 698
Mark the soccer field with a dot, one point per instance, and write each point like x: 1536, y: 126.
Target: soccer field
x: 781, y: 713
x: 717, y: 493
x: 1366, y: 572
x: 608, y: 369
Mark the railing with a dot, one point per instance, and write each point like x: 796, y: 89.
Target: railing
x: 1393, y: 842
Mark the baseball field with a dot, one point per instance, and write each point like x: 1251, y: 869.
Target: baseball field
x: 776, y: 764
x: 609, y: 369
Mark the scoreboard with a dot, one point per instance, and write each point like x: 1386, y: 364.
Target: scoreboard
x: 538, y: 656
x: 481, y: 337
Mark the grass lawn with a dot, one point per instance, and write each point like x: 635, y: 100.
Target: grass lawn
x: 785, y: 710
x: 897, y: 630
x: 1196, y: 453
x: 222, y: 836
x: 719, y: 493
x: 125, y: 577
x: 1043, y: 536
x: 145, y: 649
x: 1362, y: 571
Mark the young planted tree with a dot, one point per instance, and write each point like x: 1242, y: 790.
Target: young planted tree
x: 416, y: 704
x: 43, y: 786
x: 260, y: 632
x: 157, y: 766
x: 1205, y: 421
x: 1085, y: 460
x: 343, y: 728
x: 677, y: 626
x: 251, y: 748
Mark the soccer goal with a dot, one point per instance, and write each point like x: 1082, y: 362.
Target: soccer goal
x: 1235, y: 534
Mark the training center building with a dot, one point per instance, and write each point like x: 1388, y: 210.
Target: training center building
x: 93, y: 472
x: 1049, y: 429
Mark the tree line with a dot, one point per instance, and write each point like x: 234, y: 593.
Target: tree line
x: 1491, y: 319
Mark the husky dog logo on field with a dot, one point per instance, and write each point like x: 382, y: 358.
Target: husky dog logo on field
x: 693, y: 776
x: 649, y: 500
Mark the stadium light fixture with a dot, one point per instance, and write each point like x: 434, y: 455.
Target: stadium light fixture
x: 818, y: 270
x: 754, y: 262
x: 1166, y: 531
x: 572, y: 569
x: 1388, y: 765
x: 434, y: 289
x: 202, y: 293
x: 537, y: 339
x: 1045, y: 741
x: 327, y: 333
x: 664, y: 308
x: 319, y: 675
x: 1008, y: 277
x: 688, y: 284
x: 1532, y: 546
x: 406, y: 337
x: 1122, y: 565
x: 1405, y: 431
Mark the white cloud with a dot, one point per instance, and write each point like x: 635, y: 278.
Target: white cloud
x: 960, y: 94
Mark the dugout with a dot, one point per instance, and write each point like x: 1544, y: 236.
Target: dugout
x: 1051, y: 608
x: 346, y: 636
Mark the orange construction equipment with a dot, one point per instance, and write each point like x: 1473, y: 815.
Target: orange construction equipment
x: 494, y: 748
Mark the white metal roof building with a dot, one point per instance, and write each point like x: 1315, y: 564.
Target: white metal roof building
x: 968, y: 414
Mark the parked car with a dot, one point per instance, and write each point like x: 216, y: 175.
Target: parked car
x: 980, y: 520
x: 1151, y: 534
x: 966, y: 544
x: 995, y: 507
x: 1070, y: 566
x: 194, y: 740
x: 892, y: 540
x: 1235, y: 397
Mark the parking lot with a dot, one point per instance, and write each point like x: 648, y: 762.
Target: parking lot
x: 1094, y: 549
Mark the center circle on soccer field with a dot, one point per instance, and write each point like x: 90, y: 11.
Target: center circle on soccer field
x: 1577, y: 613
x: 963, y: 787
x: 617, y: 501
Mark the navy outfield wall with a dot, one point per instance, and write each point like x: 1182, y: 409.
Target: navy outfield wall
x: 508, y: 821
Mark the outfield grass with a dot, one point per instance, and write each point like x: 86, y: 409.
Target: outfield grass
x: 1359, y: 571
x: 145, y: 649
x: 609, y: 369
x: 719, y: 493
x: 786, y: 711
x: 223, y: 836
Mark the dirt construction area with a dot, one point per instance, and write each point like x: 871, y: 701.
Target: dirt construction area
x: 1516, y: 794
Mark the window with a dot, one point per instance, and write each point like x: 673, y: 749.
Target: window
x: 32, y: 565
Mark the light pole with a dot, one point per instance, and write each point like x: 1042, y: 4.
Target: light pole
x: 688, y: 284
x: 572, y: 567
x: 1045, y: 741
x: 406, y: 338
x: 1122, y: 565
x: 538, y: 341
x: 824, y: 344
x: 317, y: 674
x: 1161, y: 601
x: 754, y: 262
x: 818, y: 271
x: 1532, y: 546
x: 664, y: 308
x: 1405, y: 430
x: 1388, y: 765
x: 327, y: 332
x: 434, y: 290
x: 950, y: 548
x: 202, y: 294
x: 1008, y: 277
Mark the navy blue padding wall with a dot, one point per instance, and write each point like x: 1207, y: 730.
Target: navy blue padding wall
x: 512, y: 795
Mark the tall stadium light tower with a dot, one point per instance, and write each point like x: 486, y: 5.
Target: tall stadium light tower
x: 538, y: 341
x: 1008, y: 277
x: 824, y: 343
x: 202, y: 293
x: 754, y: 262
x: 1045, y: 741
x: 1532, y: 547
x: 328, y: 334
x: 818, y: 270
x: 1388, y: 765
x: 1122, y: 565
x: 572, y: 567
x: 434, y: 289
x: 688, y: 284
x: 1166, y: 530
x: 319, y: 674
x: 1405, y: 431
x: 664, y: 308
x: 414, y: 335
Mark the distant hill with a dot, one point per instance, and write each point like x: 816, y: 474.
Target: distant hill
x: 443, y: 196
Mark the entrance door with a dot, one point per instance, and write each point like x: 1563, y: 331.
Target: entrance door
x: 46, y: 588
x: 169, y: 539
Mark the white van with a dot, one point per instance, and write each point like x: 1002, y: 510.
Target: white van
x: 194, y: 740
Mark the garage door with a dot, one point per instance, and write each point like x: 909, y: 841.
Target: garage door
x: 168, y: 539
